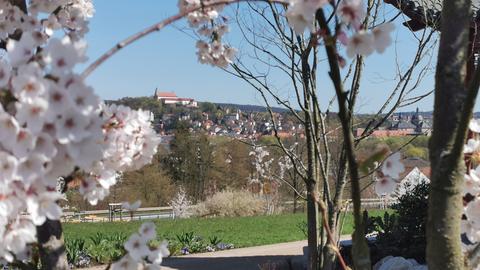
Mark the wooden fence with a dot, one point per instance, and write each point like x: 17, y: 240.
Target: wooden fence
x: 167, y: 212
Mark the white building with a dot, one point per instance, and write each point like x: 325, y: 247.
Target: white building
x: 170, y: 98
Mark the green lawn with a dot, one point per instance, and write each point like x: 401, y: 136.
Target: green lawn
x: 241, y: 231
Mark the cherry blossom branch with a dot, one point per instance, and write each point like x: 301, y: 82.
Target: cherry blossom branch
x: 361, y: 255
x: 159, y: 26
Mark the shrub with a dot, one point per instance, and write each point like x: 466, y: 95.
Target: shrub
x: 76, y: 251
x: 403, y: 233
x: 105, y: 248
x: 231, y: 204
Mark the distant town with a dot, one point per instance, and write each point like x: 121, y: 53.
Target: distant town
x: 248, y: 121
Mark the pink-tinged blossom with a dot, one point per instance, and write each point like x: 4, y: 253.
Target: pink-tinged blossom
x: 381, y: 36
x: 352, y: 12
x: 301, y: 14
x: 360, y: 43
x: 393, y: 166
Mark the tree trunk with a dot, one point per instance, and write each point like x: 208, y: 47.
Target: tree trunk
x: 312, y: 225
x: 445, y: 201
x: 51, y: 246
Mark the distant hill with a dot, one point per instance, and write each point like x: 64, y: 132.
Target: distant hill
x: 250, y: 108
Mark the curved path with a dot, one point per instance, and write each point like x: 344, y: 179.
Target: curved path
x: 277, y: 256
x: 283, y: 256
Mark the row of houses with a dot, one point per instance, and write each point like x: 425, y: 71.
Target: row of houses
x: 402, y: 124
x: 234, y: 124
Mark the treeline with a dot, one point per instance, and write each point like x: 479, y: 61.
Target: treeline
x: 201, y: 164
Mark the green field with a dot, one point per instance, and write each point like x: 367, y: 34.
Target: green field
x: 241, y: 231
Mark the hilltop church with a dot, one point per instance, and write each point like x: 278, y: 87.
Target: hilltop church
x: 170, y: 98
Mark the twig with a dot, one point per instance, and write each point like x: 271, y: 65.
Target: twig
x: 159, y: 26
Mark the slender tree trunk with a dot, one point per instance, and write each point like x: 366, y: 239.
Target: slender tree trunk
x: 51, y: 246
x: 445, y: 201
x: 312, y: 225
x: 295, y: 196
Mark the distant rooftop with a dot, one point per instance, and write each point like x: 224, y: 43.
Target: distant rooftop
x: 165, y: 94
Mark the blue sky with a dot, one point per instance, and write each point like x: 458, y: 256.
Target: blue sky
x: 167, y: 60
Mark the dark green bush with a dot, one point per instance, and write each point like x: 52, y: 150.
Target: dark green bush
x: 403, y: 232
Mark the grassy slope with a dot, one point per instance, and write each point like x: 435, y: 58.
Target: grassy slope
x: 241, y: 231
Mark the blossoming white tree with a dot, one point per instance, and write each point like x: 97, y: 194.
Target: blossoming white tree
x: 53, y: 126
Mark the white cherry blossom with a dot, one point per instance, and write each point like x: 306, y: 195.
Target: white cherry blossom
x: 21, y: 51
x: 137, y: 246
x: 125, y: 263
x: 155, y: 256
x: 472, y: 182
x: 471, y: 146
x: 131, y: 207
x: 70, y: 127
x: 5, y: 72
x: 392, y: 166
x: 385, y: 186
x: 28, y: 86
x: 8, y: 167
x: 63, y: 54
x: 32, y: 113
x: 472, y: 211
x: 147, y: 230
x: 474, y: 125
x: 44, y: 206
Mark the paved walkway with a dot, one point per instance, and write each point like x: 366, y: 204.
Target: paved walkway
x: 238, y: 259
x: 269, y: 257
